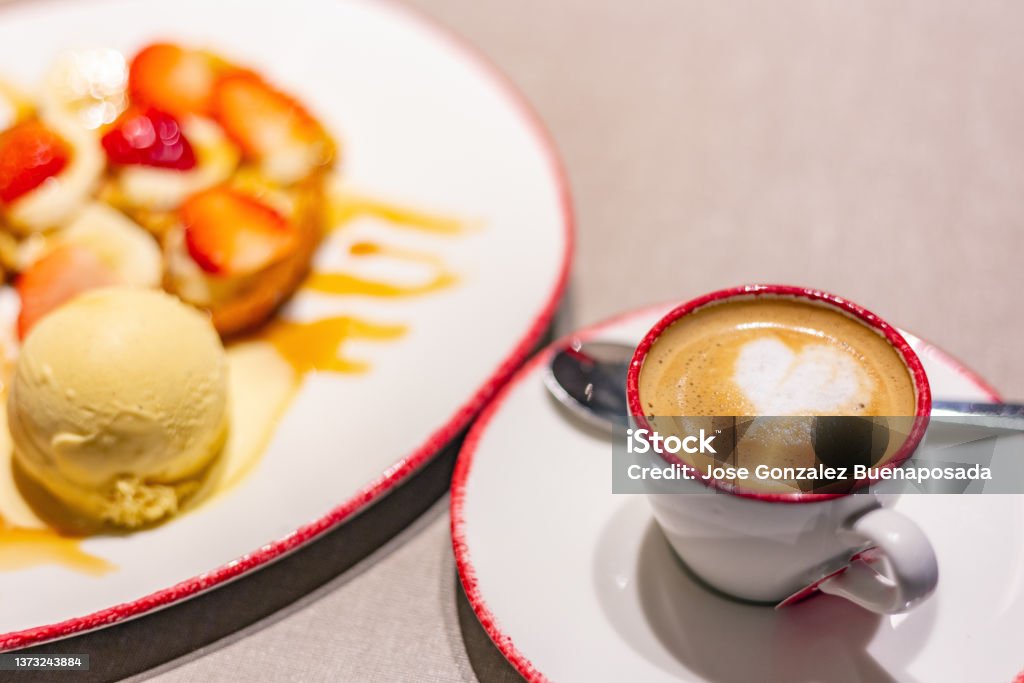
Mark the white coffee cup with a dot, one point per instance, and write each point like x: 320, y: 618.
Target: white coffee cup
x: 774, y: 547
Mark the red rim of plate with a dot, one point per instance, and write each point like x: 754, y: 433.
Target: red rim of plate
x: 403, y: 468
x: 922, y: 404
x: 463, y: 468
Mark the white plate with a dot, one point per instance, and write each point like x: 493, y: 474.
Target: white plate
x: 574, y: 583
x: 423, y: 121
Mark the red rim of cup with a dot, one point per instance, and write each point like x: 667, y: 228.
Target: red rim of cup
x: 923, y: 405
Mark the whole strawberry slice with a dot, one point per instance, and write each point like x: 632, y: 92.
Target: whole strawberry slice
x: 149, y: 137
x: 262, y: 120
x: 172, y: 78
x: 29, y: 154
x: 56, y: 278
x: 228, y: 232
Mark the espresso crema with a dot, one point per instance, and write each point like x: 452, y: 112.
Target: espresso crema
x: 773, y: 356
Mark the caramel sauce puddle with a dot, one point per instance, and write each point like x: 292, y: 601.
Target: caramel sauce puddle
x: 316, y: 345
x: 57, y: 543
x: 22, y: 547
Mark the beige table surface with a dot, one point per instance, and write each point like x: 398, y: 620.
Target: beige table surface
x: 872, y: 149
x: 875, y: 149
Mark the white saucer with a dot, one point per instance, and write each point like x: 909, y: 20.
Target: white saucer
x: 574, y: 583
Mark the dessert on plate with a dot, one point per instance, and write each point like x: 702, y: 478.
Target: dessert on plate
x: 202, y: 158
x: 152, y: 211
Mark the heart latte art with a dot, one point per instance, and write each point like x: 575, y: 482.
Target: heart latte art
x: 773, y: 356
x: 818, y: 378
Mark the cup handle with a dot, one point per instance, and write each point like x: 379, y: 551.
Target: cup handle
x: 910, y: 571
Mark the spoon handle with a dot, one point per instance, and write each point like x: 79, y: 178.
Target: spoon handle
x: 1009, y: 416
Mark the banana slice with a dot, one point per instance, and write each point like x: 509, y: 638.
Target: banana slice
x: 17, y: 255
x: 10, y: 304
x: 184, y: 276
x: 119, y: 242
x: 88, y: 86
x: 289, y: 162
x: 163, y: 189
x: 58, y: 198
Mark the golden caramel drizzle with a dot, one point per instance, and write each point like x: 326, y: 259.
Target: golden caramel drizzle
x: 346, y: 206
x: 368, y: 249
x: 316, y: 345
x: 346, y: 283
x: 21, y: 548
x: 391, y: 251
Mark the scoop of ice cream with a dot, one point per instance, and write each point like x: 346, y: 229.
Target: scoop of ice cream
x: 118, y: 404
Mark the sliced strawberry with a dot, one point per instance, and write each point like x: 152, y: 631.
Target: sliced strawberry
x: 172, y: 78
x: 29, y: 154
x: 228, y: 232
x: 149, y: 137
x: 56, y: 278
x: 261, y: 119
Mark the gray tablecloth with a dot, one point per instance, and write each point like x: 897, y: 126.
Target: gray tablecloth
x: 874, y: 149
x: 394, y: 617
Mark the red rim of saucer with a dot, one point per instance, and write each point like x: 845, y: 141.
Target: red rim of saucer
x: 923, y: 403
x: 405, y: 467
x: 464, y: 466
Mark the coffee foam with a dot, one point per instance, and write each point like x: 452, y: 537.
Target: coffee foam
x: 773, y: 356
x: 776, y: 380
x: 779, y: 360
